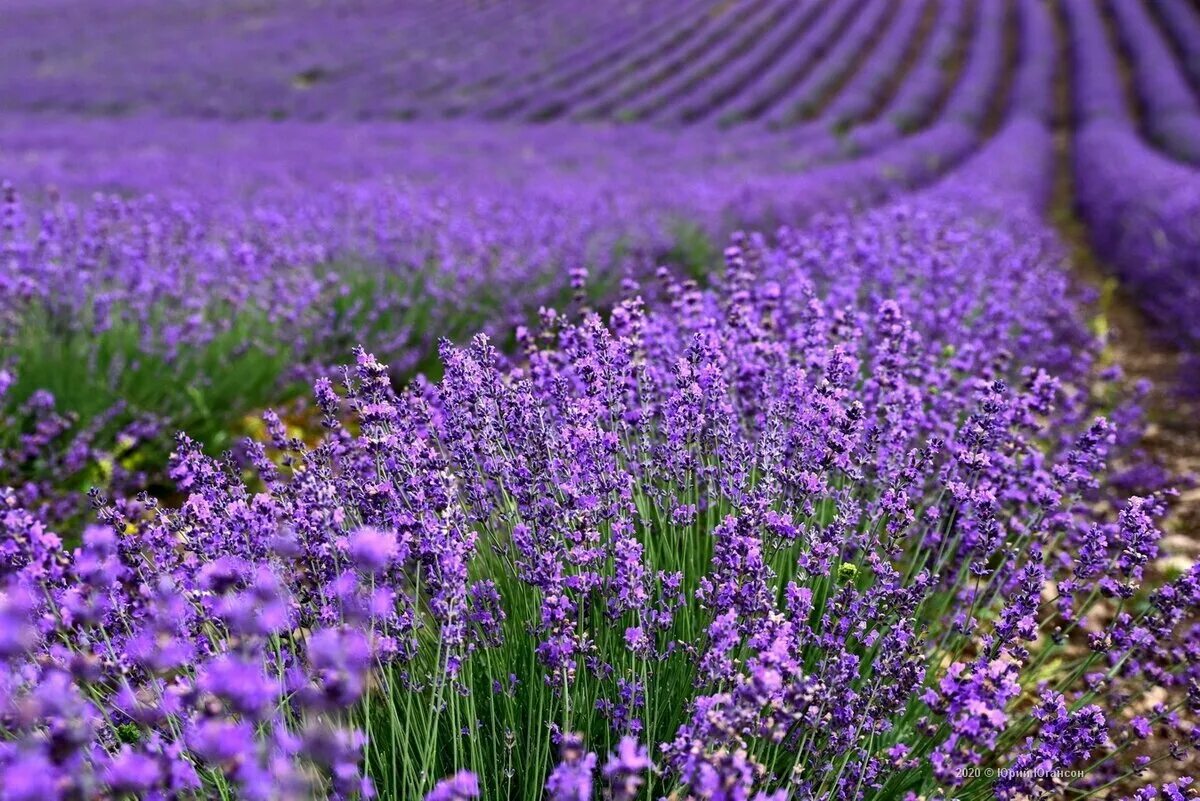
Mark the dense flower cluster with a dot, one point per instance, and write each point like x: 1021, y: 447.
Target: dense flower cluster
x: 815, y: 533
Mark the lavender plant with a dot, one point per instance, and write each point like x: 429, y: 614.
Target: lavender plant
x: 777, y: 540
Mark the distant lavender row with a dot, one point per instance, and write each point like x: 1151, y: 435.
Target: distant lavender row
x: 713, y: 29
x: 913, y: 103
x: 314, y: 60
x: 612, y: 53
x: 1096, y: 73
x: 1033, y: 84
x: 973, y: 96
x: 698, y: 61
x: 671, y: 62
x: 968, y: 101
x: 803, y: 96
x: 668, y: 97
x: 1142, y: 208
x: 773, y: 80
x: 1144, y: 214
x: 703, y: 103
x: 1181, y: 19
x: 1171, y: 107
x: 822, y: 137
x: 866, y: 89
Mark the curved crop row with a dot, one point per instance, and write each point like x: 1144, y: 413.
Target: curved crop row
x: 1182, y: 22
x: 1142, y: 208
x: 1143, y: 211
x: 854, y: 100
x: 701, y: 104
x: 761, y: 94
x: 801, y: 100
x: 611, y: 52
x: 572, y: 100
x: 1014, y: 167
x: 1171, y: 109
x: 1033, y: 85
x: 610, y: 42
x: 737, y: 38
x: 914, y: 102
x: 863, y: 93
x: 698, y: 61
x: 1097, y: 88
x: 662, y: 65
x: 972, y: 97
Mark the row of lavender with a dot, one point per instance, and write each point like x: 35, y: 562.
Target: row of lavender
x: 774, y: 61
x: 128, y: 292
x: 256, y: 60
x: 1142, y: 205
x: 844, y: 78
x: 691, y: 62
x: 817, y: 532
x: 636, y: 60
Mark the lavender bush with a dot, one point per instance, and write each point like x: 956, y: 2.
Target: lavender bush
x: 777, y: 540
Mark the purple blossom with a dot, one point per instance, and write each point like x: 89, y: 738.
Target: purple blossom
x: 571, y: 779
x: 131, y: 772
x: 372, y: 550
x: 461, y: 786
x: 624, y: 771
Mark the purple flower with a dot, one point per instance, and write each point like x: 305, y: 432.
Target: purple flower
x: 623, y: 772
x: 131, y: 772
x: 31, y: 777
x: 340, y: 659
x: 222, y: 742
x: 461, y: 786
x: 241, y: 684
x: 571, y: 779
x: 372, y: 550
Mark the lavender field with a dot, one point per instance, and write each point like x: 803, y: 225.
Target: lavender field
x: 703, y: 400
